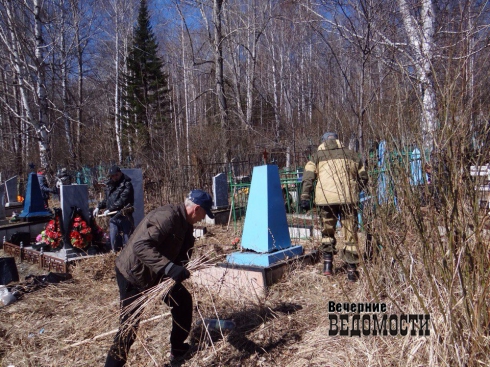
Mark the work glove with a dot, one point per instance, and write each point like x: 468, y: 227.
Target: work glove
x: 305, y: 204
x: 106, y: 212
x: 96, y: 211
x: 177, y: 272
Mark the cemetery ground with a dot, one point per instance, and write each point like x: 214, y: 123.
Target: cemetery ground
x: 73, y: 323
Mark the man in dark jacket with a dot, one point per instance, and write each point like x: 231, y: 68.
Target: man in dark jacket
x: 339, y: 173
x: 157, y: 250
x: 120, y: 199
x: 45, y: 190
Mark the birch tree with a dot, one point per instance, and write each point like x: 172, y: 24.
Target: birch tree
x: 418, y: 21
x: 22, y: 37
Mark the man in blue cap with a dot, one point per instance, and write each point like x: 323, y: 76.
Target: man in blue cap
x: 158, y: 250
x: 338, y: 172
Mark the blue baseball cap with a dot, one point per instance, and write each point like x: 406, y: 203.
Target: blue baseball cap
x: 203, y: 199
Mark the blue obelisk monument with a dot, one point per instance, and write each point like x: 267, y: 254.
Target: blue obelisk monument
x: 34, y: 203
x: 265, y: 238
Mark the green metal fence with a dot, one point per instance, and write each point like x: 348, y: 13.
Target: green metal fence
x: 291, y: 183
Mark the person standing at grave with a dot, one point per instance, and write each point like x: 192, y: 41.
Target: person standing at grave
x: 63, y: 178
x: 338, y: 172
x: 158, y: 250
x: 118, y: 203
x: 43, y: 184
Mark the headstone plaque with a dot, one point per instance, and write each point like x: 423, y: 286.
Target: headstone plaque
x: 11, y: 188
x: 220, y: 191
x: 136, y: 176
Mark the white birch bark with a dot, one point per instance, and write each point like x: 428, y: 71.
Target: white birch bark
x: 41, y: 125
x: 117, y: 87
x: 10, y: 41
x: 421, y: 37
x: 186, y: 96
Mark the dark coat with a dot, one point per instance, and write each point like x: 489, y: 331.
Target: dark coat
x: 43, y: 184
x: 118, y: 194
x: 164, y: 235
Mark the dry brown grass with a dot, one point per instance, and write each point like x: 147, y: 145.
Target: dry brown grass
x: 289, y: 327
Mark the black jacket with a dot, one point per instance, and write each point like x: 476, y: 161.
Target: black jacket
x: 118, y: 194
x: 45, y: 190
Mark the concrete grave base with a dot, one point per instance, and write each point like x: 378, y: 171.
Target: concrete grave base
x: 300, y: 231
x: 250, y: 258
x: 246, y: 282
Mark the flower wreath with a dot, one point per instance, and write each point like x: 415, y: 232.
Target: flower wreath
x: 52, y: 233
x: 80, y: 234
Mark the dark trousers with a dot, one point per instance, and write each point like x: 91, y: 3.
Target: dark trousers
x: 178, y: 298
x: 120, y: 228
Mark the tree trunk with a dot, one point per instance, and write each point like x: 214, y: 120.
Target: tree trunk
x: 64, y: 91
x: 219, y: 77
x: 41, y: 126
x: 421, y: 38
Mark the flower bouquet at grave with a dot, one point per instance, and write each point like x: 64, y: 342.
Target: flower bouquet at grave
x: 81, y: 233
x: 52, y: 234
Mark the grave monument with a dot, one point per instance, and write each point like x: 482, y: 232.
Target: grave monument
x: 266, y: 243
x: 33, y: 203
x: 265, y: 238
x: 220, y: 191
x: 72, y: 197
x: 11, y: 189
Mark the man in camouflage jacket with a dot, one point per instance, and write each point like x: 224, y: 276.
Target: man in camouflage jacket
x: 338, y: 172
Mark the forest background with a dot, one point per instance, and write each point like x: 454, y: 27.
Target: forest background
x: 235, y: 78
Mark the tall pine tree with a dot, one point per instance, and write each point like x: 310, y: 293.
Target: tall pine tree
x: 147, y: 94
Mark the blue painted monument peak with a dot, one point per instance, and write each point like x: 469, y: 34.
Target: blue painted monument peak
x: 34, y: 203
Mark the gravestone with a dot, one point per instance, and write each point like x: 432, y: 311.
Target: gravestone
x: 220, y: 191
x: 265, y: 237
x: 11, y: 188
x: 72, y: 196
x: 2, y: 202
x: 136, y: 176
x: 34, y: 203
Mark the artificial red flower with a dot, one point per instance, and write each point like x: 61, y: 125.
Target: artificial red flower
x: 80, y: 235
